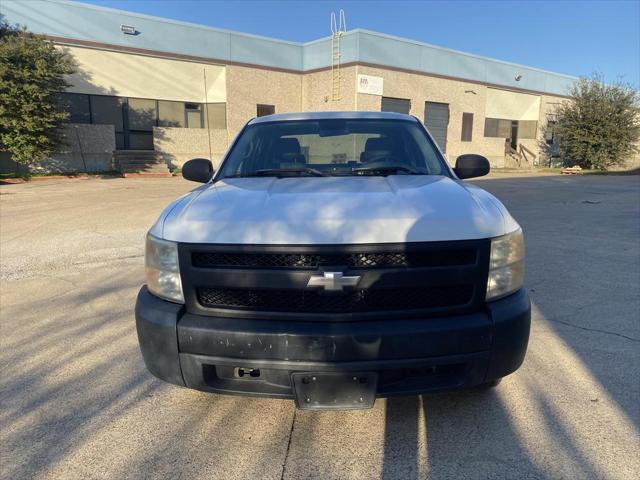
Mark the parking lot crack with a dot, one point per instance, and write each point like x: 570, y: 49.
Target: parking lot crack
x: 596, y: 330
x: 286, y: 454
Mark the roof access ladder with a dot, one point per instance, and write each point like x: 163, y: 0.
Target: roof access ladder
x: 337, y: 30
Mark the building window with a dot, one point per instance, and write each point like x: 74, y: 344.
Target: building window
x: 77, y: 106
x: 107, y: 110
x: 142, y: 114
x: 527, y: 129
x: 193, y: 114
x: 263, y: 110
x: 217, y: 116
x: 467, y: 127
x: 497, y: 127
x: 134, y: 118
x: 142, y: 117
x: 501, y: 128
x: 398, y: 105
x: 171, y: 114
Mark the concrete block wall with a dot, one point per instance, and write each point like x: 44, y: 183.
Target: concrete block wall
x: 317, y: 95
x: 177, y: 145
x: 248, y: 87
x: 88, y: 148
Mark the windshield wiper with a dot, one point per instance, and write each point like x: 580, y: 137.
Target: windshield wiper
x: 275, y: 172
x: 268, y: 172
x: 388, y: 169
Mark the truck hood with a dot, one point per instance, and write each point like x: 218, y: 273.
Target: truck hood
x: 334, y: 210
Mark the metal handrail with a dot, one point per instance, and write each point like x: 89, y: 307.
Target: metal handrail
x: 524, y: 150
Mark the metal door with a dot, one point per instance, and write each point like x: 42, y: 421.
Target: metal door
x: 436, y: 119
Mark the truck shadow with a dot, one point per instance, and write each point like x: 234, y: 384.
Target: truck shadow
x: 538, y: 423
x: 472, y: 434
x: 583, y: 259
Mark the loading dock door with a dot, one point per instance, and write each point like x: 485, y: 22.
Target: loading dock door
x: 436, y: 118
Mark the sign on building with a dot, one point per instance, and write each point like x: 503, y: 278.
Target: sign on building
x: 370, y: 84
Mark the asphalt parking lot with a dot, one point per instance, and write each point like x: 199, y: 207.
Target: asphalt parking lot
x: 77, y: 402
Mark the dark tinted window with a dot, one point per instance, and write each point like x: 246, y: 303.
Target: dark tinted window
x: 217, y: 115
x: 141, y: 141
x: 170, y: 114
x: 107, y: 110
x: 263, y: 110
x: 497, y: 127
x: 142, y: 114
x: 77, y: 105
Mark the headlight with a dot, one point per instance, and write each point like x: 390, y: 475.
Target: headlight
x: 506, y: 267
x: 163, y: 272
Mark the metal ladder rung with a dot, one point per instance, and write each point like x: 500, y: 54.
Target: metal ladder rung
x: 337, y: 31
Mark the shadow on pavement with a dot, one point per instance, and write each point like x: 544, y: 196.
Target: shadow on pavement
x: 77, y: 400
x: 571, y: 411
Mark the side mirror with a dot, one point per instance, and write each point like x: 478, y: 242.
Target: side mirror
x: 198, y: 170
x: 471, y: 165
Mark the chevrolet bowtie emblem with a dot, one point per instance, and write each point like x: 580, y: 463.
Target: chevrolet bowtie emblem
x: 333, y: 281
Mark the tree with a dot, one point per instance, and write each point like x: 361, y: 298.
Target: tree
x: 32, y: 74
x: 599, y: 126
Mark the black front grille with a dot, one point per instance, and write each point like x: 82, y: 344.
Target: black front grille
x: 415, y: 259
x: 415, y: 279
x: 356, y: 301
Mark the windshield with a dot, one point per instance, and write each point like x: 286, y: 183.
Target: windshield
x: 333, y: 148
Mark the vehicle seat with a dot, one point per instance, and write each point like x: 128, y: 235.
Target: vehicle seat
x: 286, y: 151
x: 376, y: 149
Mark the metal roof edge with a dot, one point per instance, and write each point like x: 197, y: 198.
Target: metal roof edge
x: 172, y: 21
x: 459, y: 52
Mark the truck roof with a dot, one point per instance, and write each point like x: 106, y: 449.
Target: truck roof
x: 349, y: 115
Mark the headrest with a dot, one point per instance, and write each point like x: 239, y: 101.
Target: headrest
x: 380, y: 143
x: 375, y: 149
x: 284, y: 146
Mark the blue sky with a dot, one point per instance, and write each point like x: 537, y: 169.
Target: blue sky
x: 572, y: 37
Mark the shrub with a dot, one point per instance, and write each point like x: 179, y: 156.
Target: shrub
x: 599, y: 126
x: 31, y: 77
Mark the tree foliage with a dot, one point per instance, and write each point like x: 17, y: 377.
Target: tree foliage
x: 31, y: 77
x: 599, y: 126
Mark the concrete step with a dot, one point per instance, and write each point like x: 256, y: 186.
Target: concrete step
x: 132, y: 163
x: 136, y: 155
x: 140, y: 161
x: 146, y: 168
x: 133, y: 154
x: 147, y: 175
x: 130, y: 160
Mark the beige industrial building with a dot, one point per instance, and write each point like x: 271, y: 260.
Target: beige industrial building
x: 168, y: 91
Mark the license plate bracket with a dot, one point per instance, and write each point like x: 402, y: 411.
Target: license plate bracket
x: 334, y: 390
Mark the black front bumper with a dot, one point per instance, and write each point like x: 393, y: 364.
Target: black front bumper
x: 257, y: 357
